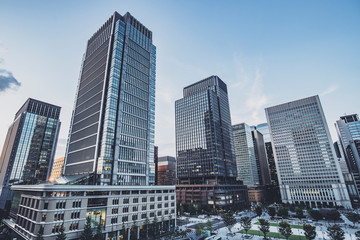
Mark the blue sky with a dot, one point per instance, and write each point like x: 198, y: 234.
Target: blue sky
x: 267, y: 52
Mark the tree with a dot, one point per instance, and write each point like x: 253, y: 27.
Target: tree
x: 353, y: 217
x: 258, y: 211
x: 87, y: 233
x: 285, y: 229
x: 335, y: 232
x: 309, y: 231
x: 333, y: 215
x: 61, y: 235
x: 125, y: 236
x: 245, y: 223
x: 264, y: 226
x: 315, y: 214
x: 198, y: 231
x: 283, y: 212
x: 357, y: 235
x: 98, y: 234
x: 299, y: 213
x: 133, y: 231
x: 271, y: 211
x: 147, y: 224
x: 229, y: 220
x: 155, y: 226
x: 209, y: 226
x: 40, y: 233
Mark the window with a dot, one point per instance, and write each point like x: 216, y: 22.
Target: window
x: 166, y: 205
x: 46, y: 205
x: 152, y: 199
x: 135, y: 208
x: 75, y: 215
x: 159, y: 198
x: 143, y: 207
x: 125, y: 218
x: 125, y: 201
x: 43, y: 217
x: 115, y: 201
x: 144, y: 199
x: 159, y: 213
x: 115, y: 211
x: 135, y: 200
x: 134, y: 217
x: 152, y: 214
x: 159, y: 205
x: 60, y: 205
x: 166, y: 197
x: 125, y: 209
x: 114, y: 220
x: 172, y: 204
x: 73, y: 226
x: 143, y: 216
x: 152, y: 206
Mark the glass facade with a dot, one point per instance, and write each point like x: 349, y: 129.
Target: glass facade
x: 30, y: 145
x: 117, y: 137
x: 204, y: 143
x: 247, y: 169
x: 305, y: 159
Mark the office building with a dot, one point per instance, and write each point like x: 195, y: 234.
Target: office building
x: 348, y: 130
x: 116, y: 208
x: 156, y: 159
x: 57, y: 169
x: 206, y: 167
x: 111, y: 136
x: 246, y: 162
x: 166, y: 171
x: 308, y: 171
x: 261, y: 158
x: 29, y: 146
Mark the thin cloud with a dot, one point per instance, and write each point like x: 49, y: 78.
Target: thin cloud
x: 7, y: 80
x: 329, y: 90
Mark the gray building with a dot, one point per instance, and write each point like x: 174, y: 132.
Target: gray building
x: 115, y: 208
x: 246, y: 162
x: 29, y: 147
x: 348, y: 129
x: 261, y: 158
x: 308, y: 170
x: 204, y: 146
x: 166, y: 171
x: 111, y: 136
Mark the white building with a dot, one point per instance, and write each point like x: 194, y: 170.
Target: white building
x: 308, y: 170
x: 115, y: 207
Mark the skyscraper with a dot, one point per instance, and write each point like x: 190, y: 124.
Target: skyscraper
x: 308, y: 170
x: 348, y: 129
x: 29, y: 147
x: 112, y: 128
x: 204, y: 145
x: 261, y: 158
x: 246, y: 162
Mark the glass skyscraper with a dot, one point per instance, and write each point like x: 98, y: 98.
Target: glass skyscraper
x: 204, y: 142
x: 308, y: 170
x: 348, y: 129
x: 112, y: 130
x: 246, y: 162
x: 29, y: 148
x: 206, y: 167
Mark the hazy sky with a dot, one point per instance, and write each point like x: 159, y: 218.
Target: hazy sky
x: 267, y: 52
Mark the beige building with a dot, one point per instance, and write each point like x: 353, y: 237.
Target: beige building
x: 56, y: 169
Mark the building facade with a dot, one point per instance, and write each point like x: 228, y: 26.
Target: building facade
x: 112, y: 128
x: 29, y: 147
x: 117, y: 208
x: 166, y: 171
x: 247, y: 167
x: 308, y: 170
x: 261, y: 158
x: 348, y: 130
x: 57, y: 169
x: 204, y: 145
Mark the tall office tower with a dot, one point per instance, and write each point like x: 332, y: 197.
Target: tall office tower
x: 166, y: 171
x: 247, y: 167
x: 308, y: 170
x: 264, y: 130
x: 112, y: 128
x: 348, y: 130
x: 261, y: 158
x: 156, y: 159
x: 204, y: 145
x: 29, y: 147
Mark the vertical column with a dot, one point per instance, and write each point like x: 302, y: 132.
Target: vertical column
x: 138, y: 232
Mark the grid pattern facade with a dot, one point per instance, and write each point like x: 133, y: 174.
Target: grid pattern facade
x: 29, y: 146
x: 115, y: 209
x: 204, y: 143
x: 305, y: 159
x: 112, y: 130
x: 247, y: 167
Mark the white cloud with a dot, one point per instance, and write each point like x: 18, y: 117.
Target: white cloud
x: 329, y: 90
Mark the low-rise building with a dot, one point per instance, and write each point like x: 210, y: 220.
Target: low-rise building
x: 116, y: 208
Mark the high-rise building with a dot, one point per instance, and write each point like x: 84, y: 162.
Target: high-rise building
x: 246, y: 162
x: 348, y: 129
x: 308, y: 170
x: 261, y: 158
x: 166, y: 171
x: 112, y: 128
x: 109, y: 163
x: 29, y: 148
x: 156, y: 159
x: 204, y: 146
